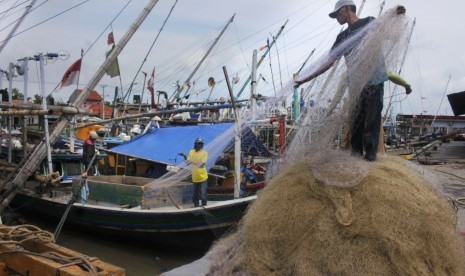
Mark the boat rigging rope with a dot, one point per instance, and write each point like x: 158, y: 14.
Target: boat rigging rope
x: 240, y: 47
x: 25, y: 233
x: 271, y: 67
x: 148, y: 53
x: 43, y: 21
x: 21, y: 234
x: 279, y: 63
x: 436, y: 169
x: 460, y: 201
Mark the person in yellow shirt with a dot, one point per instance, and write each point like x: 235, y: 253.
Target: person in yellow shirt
x: 198, y: 158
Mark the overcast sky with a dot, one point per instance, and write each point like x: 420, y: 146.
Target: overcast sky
x: 434, y: 54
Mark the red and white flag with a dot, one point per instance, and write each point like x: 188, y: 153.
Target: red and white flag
x: 263, y: 48
x: 71, y: 75
x: 110, y: 39
x: 150, y: 84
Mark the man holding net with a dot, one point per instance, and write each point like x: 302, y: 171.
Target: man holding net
x: 366, y: 118
x: 198, y: 158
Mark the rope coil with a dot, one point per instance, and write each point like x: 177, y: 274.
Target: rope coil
x: 21, y: 234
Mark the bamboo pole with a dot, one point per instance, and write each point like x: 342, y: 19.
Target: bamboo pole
x: 54, y: 108
x: 25, y: 112
x: 163, y: 112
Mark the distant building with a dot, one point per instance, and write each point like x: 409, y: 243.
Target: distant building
x: 427, y: 124
x: 93, y: 102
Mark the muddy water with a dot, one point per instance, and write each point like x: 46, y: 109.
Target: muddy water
x: 137, y: 259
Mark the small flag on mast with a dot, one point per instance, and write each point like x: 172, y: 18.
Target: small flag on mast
x: 150, y: 84
x: 110, y: 39
x: 113, y: 69
x: 263, y: 48
x: 71, y: 75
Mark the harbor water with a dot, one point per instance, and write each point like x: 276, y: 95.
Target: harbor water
x: 136, y: 259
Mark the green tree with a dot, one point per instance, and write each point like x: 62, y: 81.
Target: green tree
x: 37, y: 99
x: 50, y: 100
x: 17, y: 95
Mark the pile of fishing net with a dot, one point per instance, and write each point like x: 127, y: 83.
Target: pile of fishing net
x: 393, y: 222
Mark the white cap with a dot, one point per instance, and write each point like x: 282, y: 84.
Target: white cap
x: 339, y: 5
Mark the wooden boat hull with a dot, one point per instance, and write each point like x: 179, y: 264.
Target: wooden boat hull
x: 190, y: 227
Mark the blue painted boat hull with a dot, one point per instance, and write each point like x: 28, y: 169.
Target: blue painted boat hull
x: 190, y: 227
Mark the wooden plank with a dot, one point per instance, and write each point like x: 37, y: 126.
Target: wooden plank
x: 3, y: 269
x: 52, y: 247
x: 27, y: 264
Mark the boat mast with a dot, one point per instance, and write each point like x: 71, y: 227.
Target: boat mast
x: 9, y: 187
x: 187, y: 82
x: 253, y: 88
x: 296, y: 104
x: 262, y: 58
x: 237, y: 139
x: 20, y: 20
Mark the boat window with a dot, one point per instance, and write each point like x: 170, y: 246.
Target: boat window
x: 73, y: 167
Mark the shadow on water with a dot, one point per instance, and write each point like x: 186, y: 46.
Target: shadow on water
x: 136, y: 258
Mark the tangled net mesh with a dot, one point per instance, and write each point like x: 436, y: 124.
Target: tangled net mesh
x: 329, y: 213
x: 377, y: 45
x: 392, y: 223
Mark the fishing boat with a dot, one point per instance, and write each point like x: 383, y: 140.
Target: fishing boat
x: 114, y: 209
x: 134, y: 207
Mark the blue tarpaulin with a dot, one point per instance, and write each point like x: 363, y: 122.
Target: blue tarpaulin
x: 163, y: 145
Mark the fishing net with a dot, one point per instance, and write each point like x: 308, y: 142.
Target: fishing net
x: 392, y: 223
x: 378, y: 44
x: 326, y: 212
x: 175, y: 188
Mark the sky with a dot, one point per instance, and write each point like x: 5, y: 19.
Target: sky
x: 433, y: 64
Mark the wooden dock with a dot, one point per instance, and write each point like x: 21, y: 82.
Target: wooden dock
x: 28, y: 250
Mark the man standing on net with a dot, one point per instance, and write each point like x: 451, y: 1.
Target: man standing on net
x: 366, y: 120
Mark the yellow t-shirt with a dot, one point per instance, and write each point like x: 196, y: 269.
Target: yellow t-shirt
x: 198, y: 174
